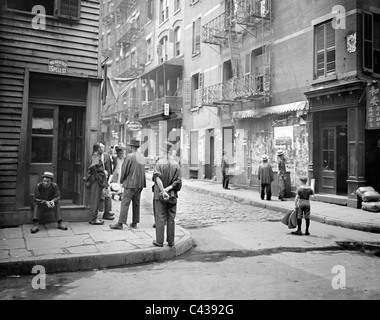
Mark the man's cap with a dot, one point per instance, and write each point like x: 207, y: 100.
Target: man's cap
x: 280, y: 152
x: 303, y: 179
x: 264, y: 157
x: 48, y: 175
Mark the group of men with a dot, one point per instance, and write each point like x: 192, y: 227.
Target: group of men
x: 129, y: 173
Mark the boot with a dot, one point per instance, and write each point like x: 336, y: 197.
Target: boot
x: 35, y: 229
x: 61, y: 226
x: 298, y: 232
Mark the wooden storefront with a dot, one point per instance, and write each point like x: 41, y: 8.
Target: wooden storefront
x: 50, y: 83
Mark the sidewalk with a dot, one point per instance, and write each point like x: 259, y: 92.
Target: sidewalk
x: 327, y: 213
x: 84, y: 247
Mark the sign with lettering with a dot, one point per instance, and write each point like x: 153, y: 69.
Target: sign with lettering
x: 57, y: 66
x: 373, y: 107
x: 135, y: 126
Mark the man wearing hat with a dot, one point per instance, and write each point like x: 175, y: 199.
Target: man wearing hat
x: 45, y: 199
x: 115, y: 180
x: 133, y: 181
x: 225, y: 167
x: 281, y: 175
x: 167, y: 183
x: 266, y: 177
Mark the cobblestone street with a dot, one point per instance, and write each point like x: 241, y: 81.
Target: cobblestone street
x: 198, y: 210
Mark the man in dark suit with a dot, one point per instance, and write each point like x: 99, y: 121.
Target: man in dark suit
x: 106, y: 205
x: 134, y: 181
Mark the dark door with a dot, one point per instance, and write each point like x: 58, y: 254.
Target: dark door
x: 70, y: 153
x: 328, y: 163
x: 341, y: 164
x: 209, y: 150
x: 42, y: 144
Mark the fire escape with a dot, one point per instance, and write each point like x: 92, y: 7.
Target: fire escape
x: 240, y: 19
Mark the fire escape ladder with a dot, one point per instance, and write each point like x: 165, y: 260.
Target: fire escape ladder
x: 234, y: 45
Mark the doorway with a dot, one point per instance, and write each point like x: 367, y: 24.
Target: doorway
x: 334, y: 172
x: 56, y: 144
x: 210, y: 155
x: 372, y: 159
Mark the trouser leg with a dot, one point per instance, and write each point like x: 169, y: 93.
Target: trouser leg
x: 262, y: 191
x: 281, y: 188
x: 57, y: 212
x: 95, y: 198
x: 170, y: 228
x: 37, y: 212
x: 161, y: 218
x: 107, y: 205
x: 136, y: 206
x: 124, y: 207
x: 269, y: 192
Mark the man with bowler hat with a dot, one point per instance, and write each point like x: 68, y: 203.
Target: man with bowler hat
x: 46, y: 199
x: 266, y: 177
x: 134, y: 181
x: 167, y: 183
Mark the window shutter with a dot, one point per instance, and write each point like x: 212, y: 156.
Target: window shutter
x: 368, y: 42
x: 187, y: 93
x: 200, y: 79
x: 330, y: 49
x: 320, y: 54
x: 68, y: 9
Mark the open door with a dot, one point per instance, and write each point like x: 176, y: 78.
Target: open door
x: 42, y: 145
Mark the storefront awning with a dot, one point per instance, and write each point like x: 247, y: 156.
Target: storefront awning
x: 281, y: 109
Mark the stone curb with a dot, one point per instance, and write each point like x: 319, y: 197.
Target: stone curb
x: 86, y: 262
x: 365, y: 227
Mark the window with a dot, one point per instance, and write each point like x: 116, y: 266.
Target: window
x: 177, y: 5
x: 68, y: 9
x: 23, y: 5
x: 150, y: 10
x: 149, y: 50
x: 162, y: 50
x: 177, y: 39
x: 324, y: 50
x: 371, y: 43
x: 198, y: 88
x: 164, y: 10
x: 197, y: 36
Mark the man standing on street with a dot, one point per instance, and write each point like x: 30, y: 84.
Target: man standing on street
x: 225, y: 167
x: 167, y: 183
x: 134, y: 181
x: 266, y: 177
x: 281, y: 175
x: 106, y: 204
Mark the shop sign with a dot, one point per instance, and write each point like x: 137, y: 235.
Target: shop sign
x: 57, y: 66
x: 373, y: 107
x: 134, y: 126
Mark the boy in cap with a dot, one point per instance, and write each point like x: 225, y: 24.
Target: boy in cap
x: 302, y: 204
x: 46, y: 197
x: 266, y: 177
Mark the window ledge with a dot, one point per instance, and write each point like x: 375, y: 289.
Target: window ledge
x: 196, y: 54
x: 326, y: 79
x: 163, y: 22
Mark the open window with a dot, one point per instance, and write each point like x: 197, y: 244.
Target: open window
x: 68, y: 9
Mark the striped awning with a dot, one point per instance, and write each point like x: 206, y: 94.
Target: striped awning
x: 281, y: 109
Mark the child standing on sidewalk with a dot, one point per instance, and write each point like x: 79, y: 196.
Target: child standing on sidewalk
x: 302, y: 203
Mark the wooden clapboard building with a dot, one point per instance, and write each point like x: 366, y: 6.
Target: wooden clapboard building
x: 50, y: 83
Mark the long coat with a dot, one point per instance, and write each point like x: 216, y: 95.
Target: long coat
x: 266, y: 173
x: 133, y: 171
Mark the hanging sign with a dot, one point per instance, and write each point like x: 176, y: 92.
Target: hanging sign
x: 134, y: 126
x: 57, y: 66
x: 373, y: 107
